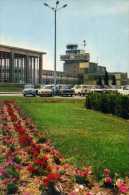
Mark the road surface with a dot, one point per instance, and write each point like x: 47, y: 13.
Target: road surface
x: 21, y: 95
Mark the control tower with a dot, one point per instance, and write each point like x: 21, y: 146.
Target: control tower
x: 75, y: 60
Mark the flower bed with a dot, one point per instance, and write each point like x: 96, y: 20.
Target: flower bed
x: 30, y: 165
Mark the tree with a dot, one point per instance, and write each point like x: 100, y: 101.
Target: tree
x: 99, y: 81
x: 113, y: 80
x: 80, y: 79
x: 106, y: 78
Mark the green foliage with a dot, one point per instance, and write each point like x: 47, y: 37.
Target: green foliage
x: 80, y: 179
x: 106, y: 78
x: 109, y: 103
x: 99, y: 81
x: 11, y: 171
x: 113, y: 80
x: 1, y: 159
x: 42, y: 188
x: 41, y: 140
x: 11, y: 188
x: 17, y: 160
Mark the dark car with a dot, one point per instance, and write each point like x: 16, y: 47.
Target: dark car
x: 65, y: 90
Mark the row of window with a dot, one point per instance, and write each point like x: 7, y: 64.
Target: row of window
x: 60, y: 74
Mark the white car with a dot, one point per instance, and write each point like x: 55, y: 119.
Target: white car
x: 82, y: 89
x: 46, y: 90
x: 123, y: 91
x: 29, y: 90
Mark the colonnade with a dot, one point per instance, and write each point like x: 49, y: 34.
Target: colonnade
x: 17, y: 67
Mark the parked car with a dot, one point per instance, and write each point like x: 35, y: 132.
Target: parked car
x: 65, y: 90
x: 124, y: 91
x: 46, y: 90
x: 82, y: 89
x: 111, y: 90
x: 29, y: 90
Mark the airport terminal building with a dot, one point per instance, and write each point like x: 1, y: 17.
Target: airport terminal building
x: 19, y: 65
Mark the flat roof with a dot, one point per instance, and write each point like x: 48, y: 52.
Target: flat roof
x: 117, y: 73
x: 22, y: 49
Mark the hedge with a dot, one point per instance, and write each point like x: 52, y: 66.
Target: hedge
x: 109, y: 103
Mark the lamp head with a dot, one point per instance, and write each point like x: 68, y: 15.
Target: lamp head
x: 46, y: 4
x: 57, y: 2
x: 65, y: 5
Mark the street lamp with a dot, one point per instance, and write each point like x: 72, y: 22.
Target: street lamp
x: 55, y: 9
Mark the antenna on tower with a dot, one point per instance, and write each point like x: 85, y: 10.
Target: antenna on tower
x: 84, y: 43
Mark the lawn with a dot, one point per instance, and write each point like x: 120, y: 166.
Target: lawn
x: 85, y: 137
x: 10, y: 87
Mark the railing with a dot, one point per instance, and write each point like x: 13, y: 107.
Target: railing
x: 78, y: 57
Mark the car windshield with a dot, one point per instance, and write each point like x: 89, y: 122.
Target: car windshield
x: 126, y: 87
x: 65, y: 87
x: 84, y: 87
x: 77, y: 86
x: 47, y: 87
x: 28, y: 86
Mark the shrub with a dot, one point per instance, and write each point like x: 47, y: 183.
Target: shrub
x: 11, y: 188
x: 109, y: 103
x: 123, y: 107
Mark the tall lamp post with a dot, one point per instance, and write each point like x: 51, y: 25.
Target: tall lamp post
x: 55, y: 9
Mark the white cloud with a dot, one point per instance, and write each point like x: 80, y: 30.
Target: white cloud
x: 116, y: 8
x: 102, y: 8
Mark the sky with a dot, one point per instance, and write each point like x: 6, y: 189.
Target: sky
x: 104, y: 24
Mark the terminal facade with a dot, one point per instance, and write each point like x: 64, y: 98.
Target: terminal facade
x: 77, y: 61
x: 18, y: 65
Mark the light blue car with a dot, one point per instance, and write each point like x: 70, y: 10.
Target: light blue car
x: 29, y: 90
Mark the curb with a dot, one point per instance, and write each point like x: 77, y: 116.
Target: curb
x: 10, y: 92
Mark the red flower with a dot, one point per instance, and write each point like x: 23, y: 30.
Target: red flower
x: 78, y: 172
x: 31, y: 169
x: 25, y: 139
x: 52, y: 177
x: 35, y: 149
x: 42, y: 161
x: 122, y: 186
x: 49, y: 168
x: 85, y: 172
x: 19, y: 128
x: 13, y: 117
x: 45, y: 181
x: 45, y: 158
x: 106, y: 172
x: 108, y: 180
